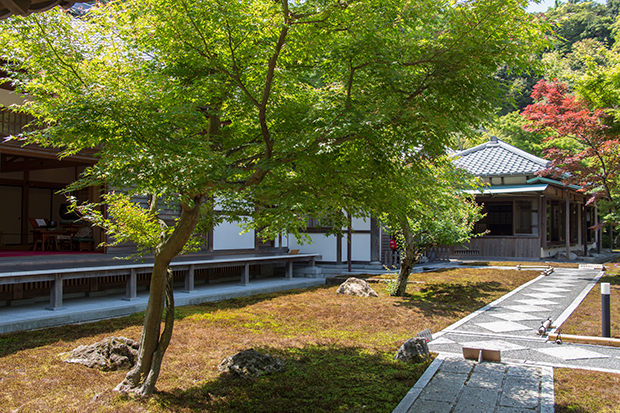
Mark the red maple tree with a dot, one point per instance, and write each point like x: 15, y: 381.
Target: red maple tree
x: 594, y: 161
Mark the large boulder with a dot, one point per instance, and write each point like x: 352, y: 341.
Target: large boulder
x: 355, y: 286
x: 250, y: 364
x: 111, y: 353
x: 414, y: 350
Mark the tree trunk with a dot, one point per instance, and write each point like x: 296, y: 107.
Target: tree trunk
x: 406, y: 264
x: 408, y: 258
x: 142, y: 378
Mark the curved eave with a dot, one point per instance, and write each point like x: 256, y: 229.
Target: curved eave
x: 551, y: 181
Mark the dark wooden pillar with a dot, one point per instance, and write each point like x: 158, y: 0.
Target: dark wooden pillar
x: 567, y: 213
x: 598, y: 233
x: 339, y: 249
x: 349, y: 236
x: 25, y: 203
x: 542, y: 221
x: 584, y: 230
x: 375, y: 241
x: 210, y: 240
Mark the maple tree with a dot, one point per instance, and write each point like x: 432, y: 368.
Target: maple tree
x: 593, y: 161
x: 278, y: 110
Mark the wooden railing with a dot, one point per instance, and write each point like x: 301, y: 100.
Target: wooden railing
x: 57, y: 278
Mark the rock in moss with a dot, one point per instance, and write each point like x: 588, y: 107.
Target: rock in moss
x: 357, y: 287
x: 250, y: 364
x: 111, y: 353
x: 414, y: 350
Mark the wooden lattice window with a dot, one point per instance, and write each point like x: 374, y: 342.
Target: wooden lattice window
x: 12, y: 123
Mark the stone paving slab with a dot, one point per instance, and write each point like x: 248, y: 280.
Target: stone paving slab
x: 486, y: 387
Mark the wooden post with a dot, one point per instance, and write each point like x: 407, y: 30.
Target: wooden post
x: 289, y: 270
x: 542, y: 220
x: 189, y: 280
x: 375, y: 242
x: 18, y: 291
x: 93, y: 285
x: 567, y: 226
x: 245, y: 277
x: 597, y: 234
x: 349, y: 235
x: 25, y: 202
x: 131, y: 286
x: 339, y: 249
x: 584, y: 230
x: 56, y: 294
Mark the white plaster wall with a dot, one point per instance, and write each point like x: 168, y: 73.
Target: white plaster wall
x: 228, y: 236
x: 13, y: 175
x: 360, y: 224
x: 360, y: 247
x: 513, y: 180
x: 283, y: 239
x: 326, y: 246
x: 61, y: 175
x: 10, y: 98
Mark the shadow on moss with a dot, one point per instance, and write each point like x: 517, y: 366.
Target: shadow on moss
x: 316, y: 379
x: 450, y: 298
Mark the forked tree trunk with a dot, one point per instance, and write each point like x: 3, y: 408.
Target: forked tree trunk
x: 409, y: 256
x: 142, y: 378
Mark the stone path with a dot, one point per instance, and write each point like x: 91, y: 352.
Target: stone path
x: 523, y: 381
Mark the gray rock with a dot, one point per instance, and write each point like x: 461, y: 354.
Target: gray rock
x: 572, y: 256
x: 357, y: 287
x: 250, y: 364
x: 111, y: 353
x: 414, y: 350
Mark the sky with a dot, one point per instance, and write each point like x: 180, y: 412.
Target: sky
x: 545, y: 4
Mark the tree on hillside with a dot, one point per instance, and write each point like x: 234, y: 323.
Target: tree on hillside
x: 594, y: 161
x: 579, y: 20
x: 571, y: 67
x: 255, y: 104
x: 509, y: 128
x: 578, y: 27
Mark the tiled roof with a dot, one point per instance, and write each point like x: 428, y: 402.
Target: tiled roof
x: 497, y: 158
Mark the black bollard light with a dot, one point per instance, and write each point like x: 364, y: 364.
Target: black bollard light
x: 605, y: 310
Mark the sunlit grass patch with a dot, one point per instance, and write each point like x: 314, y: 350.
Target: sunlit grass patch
x: 586, y: 319
x: 583, y: 391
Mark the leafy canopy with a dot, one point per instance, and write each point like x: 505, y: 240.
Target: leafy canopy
x: 260, y: 101
x: 594, y: 161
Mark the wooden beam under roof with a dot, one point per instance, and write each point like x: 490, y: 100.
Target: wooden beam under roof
x: 12, y: 163
x: 26, y: 7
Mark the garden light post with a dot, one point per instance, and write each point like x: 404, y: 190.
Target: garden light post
x: 605, y: 310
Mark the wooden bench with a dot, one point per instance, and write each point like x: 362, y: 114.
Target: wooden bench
x: 131, y: 271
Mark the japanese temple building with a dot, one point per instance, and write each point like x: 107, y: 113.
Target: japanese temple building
x: 527, y: 215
